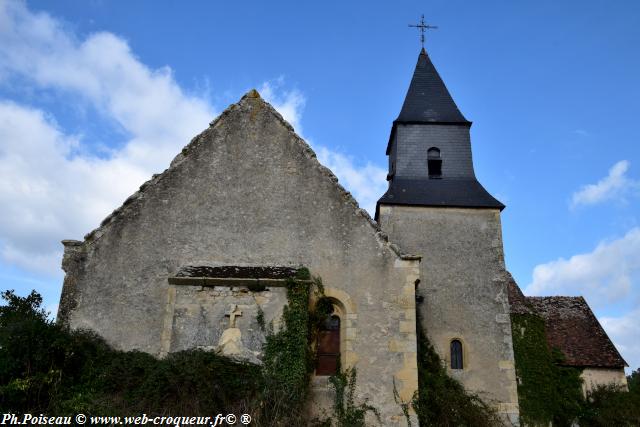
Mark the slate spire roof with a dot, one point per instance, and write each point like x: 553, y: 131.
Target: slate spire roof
x: 429, y: 118
x: 428, y: 100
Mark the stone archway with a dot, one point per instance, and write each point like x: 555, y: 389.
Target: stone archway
x: 345, y: 310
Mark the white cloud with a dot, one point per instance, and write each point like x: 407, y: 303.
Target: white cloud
x: 49, y: 191
x: 367, y: 183
x: 49, y: 195
x: 288, y: 103
x: 101, y: 69
x: 625, y: 333
x: 52, y: 188
x: 605, y: 275
x: 608, y: 277
x: 614, y: 185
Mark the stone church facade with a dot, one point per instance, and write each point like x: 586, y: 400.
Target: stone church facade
x: 246, y: 192
x: 192, y: 258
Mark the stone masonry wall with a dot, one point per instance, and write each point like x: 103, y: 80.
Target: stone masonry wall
x: 197, y: 317
x: 463, y: 282
x: 246, y: 191
x: 594, y: 377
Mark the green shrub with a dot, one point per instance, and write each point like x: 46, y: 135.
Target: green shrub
x: 45, y: 368
x: 633, y: 381
x: 611, y: 405
x: 40, y: 362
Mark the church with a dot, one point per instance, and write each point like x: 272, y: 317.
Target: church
x: 200, y: 254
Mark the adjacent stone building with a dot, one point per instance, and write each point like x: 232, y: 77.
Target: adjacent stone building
x: 572, y: 328
x: 201, y: 251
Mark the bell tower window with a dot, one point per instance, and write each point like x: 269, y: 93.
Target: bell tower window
x: 434, y: 163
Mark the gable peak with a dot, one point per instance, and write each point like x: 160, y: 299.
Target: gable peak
x: 253, y: 93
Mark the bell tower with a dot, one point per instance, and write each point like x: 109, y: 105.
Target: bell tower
x: 429, y: 149
x: 435, y: 207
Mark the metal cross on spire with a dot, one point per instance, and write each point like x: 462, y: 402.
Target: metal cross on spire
x: 422, y: 27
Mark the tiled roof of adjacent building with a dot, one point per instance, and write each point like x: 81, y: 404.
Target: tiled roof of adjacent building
x: 571, y: 327
x: 428, y: 99
x: 517, y: 301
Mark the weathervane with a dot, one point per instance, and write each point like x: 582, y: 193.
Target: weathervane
x: 422, y: 26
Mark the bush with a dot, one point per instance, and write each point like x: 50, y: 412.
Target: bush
x: 45, y: 368
x: 40, y: 363
x: 633, y: 381
x: 611, y: 405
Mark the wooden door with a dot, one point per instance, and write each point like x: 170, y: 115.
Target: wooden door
x: 328, y: 351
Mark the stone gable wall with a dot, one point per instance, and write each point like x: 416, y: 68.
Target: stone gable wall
x: 246, y: 191
x: 594, y: 377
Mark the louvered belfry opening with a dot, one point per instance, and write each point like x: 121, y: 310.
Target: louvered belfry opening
x: 434, y: 163
x: 328, y: 350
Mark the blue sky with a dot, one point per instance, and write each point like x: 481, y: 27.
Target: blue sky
x: 96, y: 96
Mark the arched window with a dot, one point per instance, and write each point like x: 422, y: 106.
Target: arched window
x: 328, y: 351
x: 434, y: 163
x: 456, y: 354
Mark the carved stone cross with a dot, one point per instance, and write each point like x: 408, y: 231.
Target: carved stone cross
x: 232, y: 314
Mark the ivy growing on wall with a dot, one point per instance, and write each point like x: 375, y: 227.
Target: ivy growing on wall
x: 287, y: 358
x: 547, y: 391
x: 347, y: 412
x: 442, y: 400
